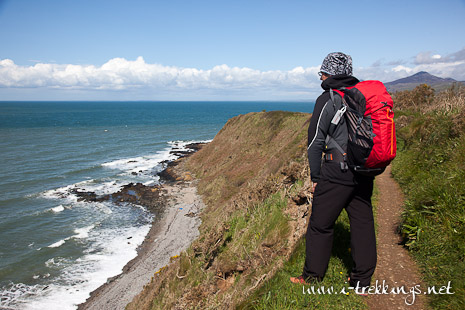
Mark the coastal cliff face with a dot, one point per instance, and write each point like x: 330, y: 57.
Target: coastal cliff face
x: 254, y: 180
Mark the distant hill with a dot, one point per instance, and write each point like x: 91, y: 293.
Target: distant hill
x: 422, y: 77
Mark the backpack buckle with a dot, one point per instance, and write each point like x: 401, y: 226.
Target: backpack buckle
x: 344, y: 166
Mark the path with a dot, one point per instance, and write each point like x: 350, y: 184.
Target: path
x: 395, y: 265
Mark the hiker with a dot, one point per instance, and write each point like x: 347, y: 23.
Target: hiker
x: 336, y: 186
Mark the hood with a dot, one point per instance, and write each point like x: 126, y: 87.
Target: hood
x: 338, y: 81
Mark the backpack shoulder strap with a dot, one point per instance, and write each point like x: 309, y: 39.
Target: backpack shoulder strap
x: 340, y: 110
x: 335, y: 122
x: 339, y: 91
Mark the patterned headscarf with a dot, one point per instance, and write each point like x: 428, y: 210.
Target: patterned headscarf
x: 337, y: 63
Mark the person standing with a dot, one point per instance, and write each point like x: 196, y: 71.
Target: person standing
x: 335, y: 185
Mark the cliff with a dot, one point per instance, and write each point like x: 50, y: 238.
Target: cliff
x: 252, y: 178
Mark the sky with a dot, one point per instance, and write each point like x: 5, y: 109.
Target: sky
x: 217, y: 50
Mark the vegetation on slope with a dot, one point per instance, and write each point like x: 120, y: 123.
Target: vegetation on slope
x: 430, y: 167
x: 254, y: 179
x: 249, y: 179
x: 332, y: 293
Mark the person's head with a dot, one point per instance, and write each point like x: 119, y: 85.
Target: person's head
x: 334, y: 64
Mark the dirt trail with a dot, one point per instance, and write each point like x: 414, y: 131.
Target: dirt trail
x: 395, y: 266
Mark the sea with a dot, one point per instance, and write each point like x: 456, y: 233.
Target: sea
x: 55, y: 249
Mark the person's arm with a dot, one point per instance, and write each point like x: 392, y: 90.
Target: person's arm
x: 317, y: 131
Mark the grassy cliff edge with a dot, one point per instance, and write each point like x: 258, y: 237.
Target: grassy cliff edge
x: 252, y: 180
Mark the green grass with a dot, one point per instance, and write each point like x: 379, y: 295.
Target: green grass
x: 430, y: 168
x: 264, y: 223
x: 280, y: 293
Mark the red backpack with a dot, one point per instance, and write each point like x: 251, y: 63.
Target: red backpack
x: 370, y: 124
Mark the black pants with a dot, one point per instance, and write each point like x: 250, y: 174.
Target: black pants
x: 328, y: 201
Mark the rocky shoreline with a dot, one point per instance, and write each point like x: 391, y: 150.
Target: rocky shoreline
x: 152, y: 197
x: 175, y: 205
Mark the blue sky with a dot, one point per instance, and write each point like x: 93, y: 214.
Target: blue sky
x: 217, y: 50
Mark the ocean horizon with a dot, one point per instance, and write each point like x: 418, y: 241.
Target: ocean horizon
x: 53, y: 246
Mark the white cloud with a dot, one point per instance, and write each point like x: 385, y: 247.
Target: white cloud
x: 124, y: 79
x: 430, y: 58
x: 120, y: 74
x: 427, y: 58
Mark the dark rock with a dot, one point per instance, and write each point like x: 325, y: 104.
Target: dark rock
x: 300, y: 199
x: 146, y: 196
x: 86, y: 196
x: 168, y: 175
x: 195, y: 146
x: 181, y: 153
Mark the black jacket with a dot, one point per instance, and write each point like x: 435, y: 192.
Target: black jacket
x: 318, y: 130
